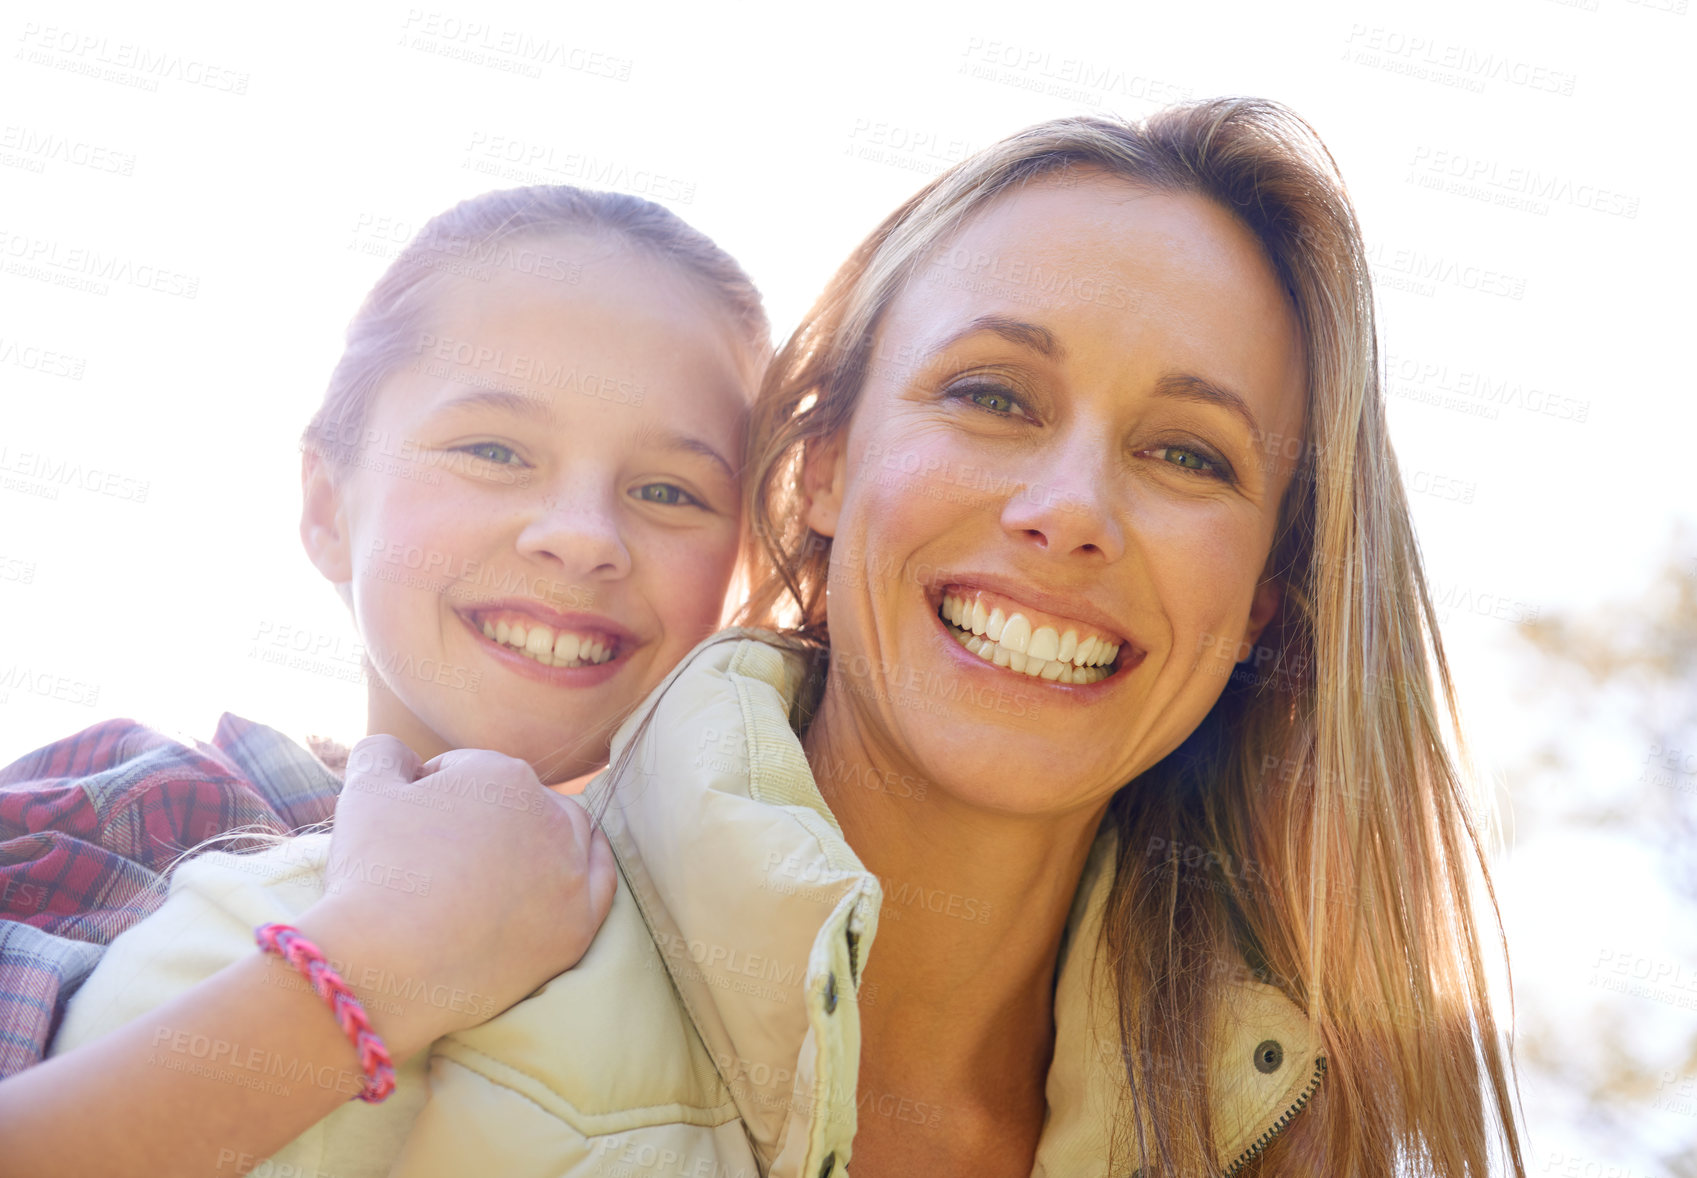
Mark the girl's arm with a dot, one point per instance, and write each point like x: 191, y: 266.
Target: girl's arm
x: 520, y: 882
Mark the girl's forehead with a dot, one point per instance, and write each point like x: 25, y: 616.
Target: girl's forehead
x: 605, y: 345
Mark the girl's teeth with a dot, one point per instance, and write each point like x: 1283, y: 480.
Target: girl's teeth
x: 992, y: 629
x: 546, y: 647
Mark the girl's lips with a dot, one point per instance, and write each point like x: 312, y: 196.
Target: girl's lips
x: 584, y: 674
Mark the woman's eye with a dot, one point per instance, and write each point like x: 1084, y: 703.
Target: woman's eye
x: 668, y: 493
x: 490, y: 452
x: 1187, y: 459
x: 993, y: 397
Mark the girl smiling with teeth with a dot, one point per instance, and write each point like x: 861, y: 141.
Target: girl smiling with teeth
x: 582, y: 410
x: 524, y: 481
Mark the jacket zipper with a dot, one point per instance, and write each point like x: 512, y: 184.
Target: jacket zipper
x: 1283, y: 1123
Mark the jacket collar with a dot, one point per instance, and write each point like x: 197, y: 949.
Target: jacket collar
x: 763, y: 913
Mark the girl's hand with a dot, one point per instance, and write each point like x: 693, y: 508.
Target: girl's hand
x: 454, y: 888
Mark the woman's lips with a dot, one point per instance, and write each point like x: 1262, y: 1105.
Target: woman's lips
x: 1026, y: 641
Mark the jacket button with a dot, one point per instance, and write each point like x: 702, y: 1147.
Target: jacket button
x: 831, y: 1008
x: 1268, y: 1056
x: 829, y: 1165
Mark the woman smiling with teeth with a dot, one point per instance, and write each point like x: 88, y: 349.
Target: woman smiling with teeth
x: 1004, y: 636
x: 1045, y: 627
x: 1042, y: 426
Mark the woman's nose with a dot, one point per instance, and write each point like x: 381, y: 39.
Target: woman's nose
x: 578, y: 528
x: 1065, y: 506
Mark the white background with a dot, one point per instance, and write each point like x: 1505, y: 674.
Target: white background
x: 786, y: 133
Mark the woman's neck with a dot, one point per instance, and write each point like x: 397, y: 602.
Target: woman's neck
x: 957, y: 995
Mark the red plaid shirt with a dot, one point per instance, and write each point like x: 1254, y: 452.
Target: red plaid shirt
x: 89, y: 829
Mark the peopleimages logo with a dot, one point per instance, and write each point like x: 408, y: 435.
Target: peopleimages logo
x: 88, y: 269
x: 50, y: 473
x: 507, y: 49
x: 1512, y: 185
x: 1449, y: 63
x: 33, y: 150
x: 99, y: 56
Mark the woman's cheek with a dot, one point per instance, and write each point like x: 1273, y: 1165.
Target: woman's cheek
x: 1205, y: 569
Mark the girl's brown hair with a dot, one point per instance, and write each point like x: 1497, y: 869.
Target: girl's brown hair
x: 485, y: 235
x: 1324, y: 762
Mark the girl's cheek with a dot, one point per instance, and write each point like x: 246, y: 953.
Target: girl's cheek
x: 691, y: 585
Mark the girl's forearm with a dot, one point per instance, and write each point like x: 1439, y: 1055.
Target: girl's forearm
x: 224, y: 1075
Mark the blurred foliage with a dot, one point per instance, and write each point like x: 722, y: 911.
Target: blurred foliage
x: 1637, y: 660
x: 1612, y: 683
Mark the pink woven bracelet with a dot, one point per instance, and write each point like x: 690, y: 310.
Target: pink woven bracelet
x: 287, y: 942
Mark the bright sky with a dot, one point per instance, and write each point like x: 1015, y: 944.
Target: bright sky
x: 1522, y: 168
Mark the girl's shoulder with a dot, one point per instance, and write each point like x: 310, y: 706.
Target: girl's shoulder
x: 92, y: 826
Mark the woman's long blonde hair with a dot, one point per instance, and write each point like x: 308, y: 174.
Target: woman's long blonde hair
x: 1315, y: 825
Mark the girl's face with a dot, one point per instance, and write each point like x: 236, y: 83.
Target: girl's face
x: 1055, y: 501
x: 546, y: 513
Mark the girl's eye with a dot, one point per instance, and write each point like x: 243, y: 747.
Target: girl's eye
x: 491, y: 452
x: 668, y: 493
x: 993, y: 397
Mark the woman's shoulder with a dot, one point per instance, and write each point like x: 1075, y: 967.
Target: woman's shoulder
x: 609, y: 1032
x: 605, y: 1052
x: 780, y: 661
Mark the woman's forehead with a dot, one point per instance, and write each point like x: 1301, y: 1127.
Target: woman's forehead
x: 1108, y: 272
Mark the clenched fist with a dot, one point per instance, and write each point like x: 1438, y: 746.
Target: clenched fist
x: 455, y: 888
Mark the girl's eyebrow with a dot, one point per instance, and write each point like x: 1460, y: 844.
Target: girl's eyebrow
x: 667, y: 439
x: 505, y: 401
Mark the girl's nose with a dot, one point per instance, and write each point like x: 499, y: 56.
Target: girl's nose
x: 579, y: 530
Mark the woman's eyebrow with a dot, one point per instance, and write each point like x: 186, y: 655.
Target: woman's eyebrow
x: 1016, y: 331
x: 1184, y: 386
x: 1187, y: 386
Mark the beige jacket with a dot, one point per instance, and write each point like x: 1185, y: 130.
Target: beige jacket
x: 713, y: 1028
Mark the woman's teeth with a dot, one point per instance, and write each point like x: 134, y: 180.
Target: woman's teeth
x: 1008, y: 640
x: 550, y: 647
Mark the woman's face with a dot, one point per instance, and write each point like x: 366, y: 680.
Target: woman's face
x: 546, y: 514
x: 1067, y: 417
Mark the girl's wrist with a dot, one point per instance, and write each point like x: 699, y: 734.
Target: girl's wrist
x: 376, y: 1064
x: 399, y: 995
